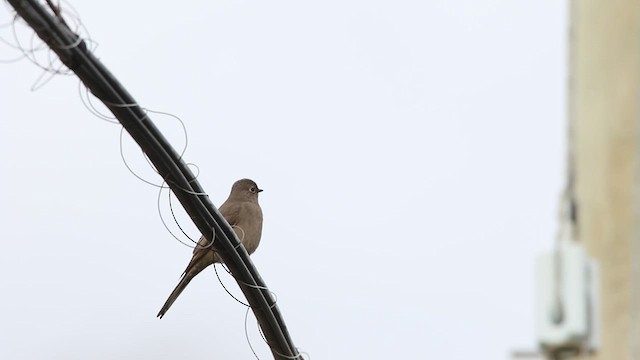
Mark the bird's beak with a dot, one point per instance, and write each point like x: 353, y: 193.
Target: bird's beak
x: 260, y: 190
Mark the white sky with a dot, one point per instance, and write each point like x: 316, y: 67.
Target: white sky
x: 411, y: 154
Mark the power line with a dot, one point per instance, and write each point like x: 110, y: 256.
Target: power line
x: 73, y: 52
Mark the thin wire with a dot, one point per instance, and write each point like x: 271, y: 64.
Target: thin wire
x: 89, y: 105
x: 246, y: 334
x: 184, y: 149
x: 29, y: 54
x: 72, y: 45
x: 11, y: 61
x: 241, y: 237
x: 11, y: 24
x: 146, y: 117
x: 293, y: 357
x: 227, y: 290
x: 47, y: 75
x: 124, y: 160
x: 6, y: 42
x: 184, y: 127
x: 175, y: 220
x: 49, y: 72
x: 273, y: 294
x: 229, y: 272
x: 52, y: 66
x: 166, y: 226
x: 8, y: 23
x: 9, y: 44
x: 74, y: 17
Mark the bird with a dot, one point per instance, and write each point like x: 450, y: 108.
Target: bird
x: 243, y: 213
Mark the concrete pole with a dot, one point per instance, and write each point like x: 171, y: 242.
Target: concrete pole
x: 605, y: 110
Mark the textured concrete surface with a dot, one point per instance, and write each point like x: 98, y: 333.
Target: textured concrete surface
x: 604, y: 93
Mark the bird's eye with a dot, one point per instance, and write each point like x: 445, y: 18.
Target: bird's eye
x: 252, y: 189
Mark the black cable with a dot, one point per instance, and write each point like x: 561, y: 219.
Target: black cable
x: 73, y: 52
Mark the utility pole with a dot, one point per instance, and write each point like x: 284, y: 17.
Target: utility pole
x: 604, y: 98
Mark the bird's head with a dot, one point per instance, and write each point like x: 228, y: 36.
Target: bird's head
x: 245, y: 189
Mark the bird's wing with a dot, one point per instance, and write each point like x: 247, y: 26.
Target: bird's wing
x: 235, y: 212
x: 231, y: 211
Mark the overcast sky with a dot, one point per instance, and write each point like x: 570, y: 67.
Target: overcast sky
x: 411, y: 156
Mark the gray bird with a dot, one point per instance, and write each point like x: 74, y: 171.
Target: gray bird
x: 243, y: 213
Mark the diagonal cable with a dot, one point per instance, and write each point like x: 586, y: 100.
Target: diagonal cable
x: 73, y: 52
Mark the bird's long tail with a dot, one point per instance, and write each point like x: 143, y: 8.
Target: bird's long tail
x: 201, y: 259
x: 186, y: 279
